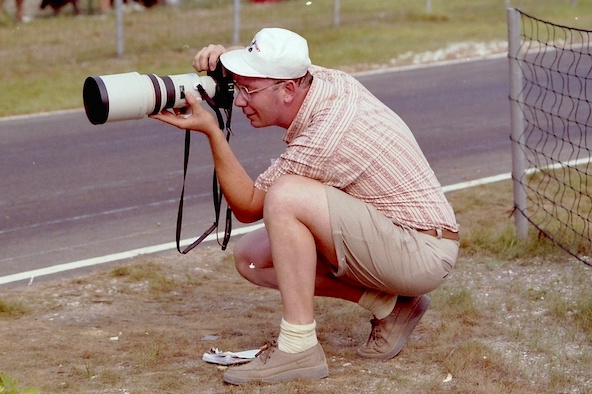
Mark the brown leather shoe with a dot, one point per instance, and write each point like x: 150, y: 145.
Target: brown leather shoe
x: 390, y: 334
x: 272, y: 365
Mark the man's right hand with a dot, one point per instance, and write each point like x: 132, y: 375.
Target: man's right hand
x: 198, y: 119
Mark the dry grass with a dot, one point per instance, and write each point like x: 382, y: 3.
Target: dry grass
x: 519, y: 324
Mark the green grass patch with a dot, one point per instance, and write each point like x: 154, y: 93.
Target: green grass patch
x: 13, y: 308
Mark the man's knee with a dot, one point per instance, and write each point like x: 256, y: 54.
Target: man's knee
x: 242, y: 257
x: 285, y: 187
x: 250, y: 250
x: 290, y: 192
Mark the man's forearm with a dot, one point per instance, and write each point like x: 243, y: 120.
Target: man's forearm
x: 239, y: 189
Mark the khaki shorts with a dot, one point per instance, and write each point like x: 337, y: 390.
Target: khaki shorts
x: 375, y: 253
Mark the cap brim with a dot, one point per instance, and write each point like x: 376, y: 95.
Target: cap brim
x: 234, y: 62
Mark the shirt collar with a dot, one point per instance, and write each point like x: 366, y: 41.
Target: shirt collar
x: 305, y: 113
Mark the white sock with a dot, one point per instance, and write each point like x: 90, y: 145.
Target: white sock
x: 381, y: 304
x: 295, y: 338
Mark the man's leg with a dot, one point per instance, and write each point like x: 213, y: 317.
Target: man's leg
x: 252, y: 256
x: 254, y: 261
x: 296, y: 216
x: 390, y: 334
x: 371, y: 243
x: 297, y: 220
x: 295, y: 255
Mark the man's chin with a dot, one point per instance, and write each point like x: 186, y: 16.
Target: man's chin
x: 255, y: 122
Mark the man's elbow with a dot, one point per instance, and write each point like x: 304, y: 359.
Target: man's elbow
x: 250, y: 208
x: 248, y: 216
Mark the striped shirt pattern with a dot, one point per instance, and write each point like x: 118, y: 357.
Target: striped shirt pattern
x: 344, y: 137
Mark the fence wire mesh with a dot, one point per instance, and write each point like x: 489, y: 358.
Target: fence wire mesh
x: 555, y: 103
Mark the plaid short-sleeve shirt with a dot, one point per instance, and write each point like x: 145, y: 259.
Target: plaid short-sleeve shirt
x: 344, y: 137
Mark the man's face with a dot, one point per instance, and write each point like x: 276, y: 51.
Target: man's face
x: 260, y: 99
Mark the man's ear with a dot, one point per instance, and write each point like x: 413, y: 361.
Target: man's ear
x: 290, y: 90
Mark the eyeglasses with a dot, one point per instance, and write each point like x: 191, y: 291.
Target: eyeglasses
x: 247, y: 94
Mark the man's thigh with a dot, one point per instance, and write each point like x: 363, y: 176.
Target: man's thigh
x: 294, y: 197
x: 374, y: 252
x: 254, y: 247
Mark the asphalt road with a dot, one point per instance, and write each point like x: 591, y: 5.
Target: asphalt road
x: 71, y: 191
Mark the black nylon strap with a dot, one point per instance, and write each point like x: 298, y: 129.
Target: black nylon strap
x: 217, y: 191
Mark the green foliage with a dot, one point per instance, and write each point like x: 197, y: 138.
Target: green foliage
x: 9, y: 386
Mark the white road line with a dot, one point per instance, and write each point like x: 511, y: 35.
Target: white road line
x: 30, y: 275
x: 477, y: 182
x: 113, y: 257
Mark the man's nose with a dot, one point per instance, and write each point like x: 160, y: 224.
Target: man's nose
x: 239, y: 100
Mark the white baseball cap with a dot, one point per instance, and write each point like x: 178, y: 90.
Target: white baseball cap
x: 274, y: 53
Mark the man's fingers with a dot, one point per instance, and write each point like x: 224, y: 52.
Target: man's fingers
x: 168, y: 117
x: 207, y: 58
x: 193, y: 102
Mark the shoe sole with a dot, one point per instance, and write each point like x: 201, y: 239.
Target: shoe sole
x: 318, y: 372
x: 422, y: 306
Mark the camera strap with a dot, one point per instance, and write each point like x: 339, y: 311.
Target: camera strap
x: 216, y: 189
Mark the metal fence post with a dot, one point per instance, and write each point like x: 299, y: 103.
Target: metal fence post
x: 517, y: 123
x: 236, y: 34
x: 336, y: 10
x: 119, y: 26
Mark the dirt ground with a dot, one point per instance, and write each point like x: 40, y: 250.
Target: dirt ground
x: 143, y: 326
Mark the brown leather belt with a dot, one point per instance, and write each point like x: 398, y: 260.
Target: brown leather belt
x: 446, y: 234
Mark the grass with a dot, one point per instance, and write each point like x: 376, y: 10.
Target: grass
x: 560, y: 204
x: 13, y: 308
x: 44, y: 62
x: 504, y: 322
